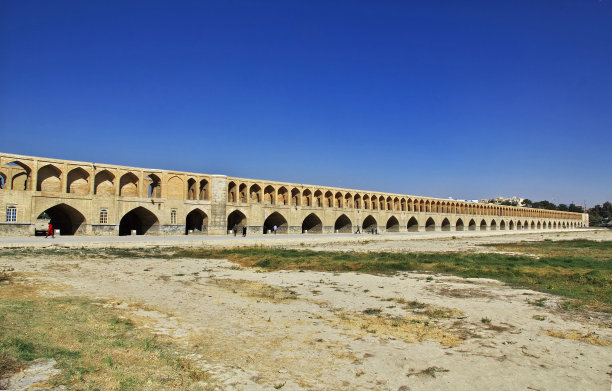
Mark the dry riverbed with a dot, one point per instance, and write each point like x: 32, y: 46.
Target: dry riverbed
x: 304, y: 330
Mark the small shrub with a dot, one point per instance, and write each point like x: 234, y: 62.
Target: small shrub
x: 485, y: 320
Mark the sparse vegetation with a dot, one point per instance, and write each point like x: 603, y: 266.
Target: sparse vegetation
x: 95, y: 347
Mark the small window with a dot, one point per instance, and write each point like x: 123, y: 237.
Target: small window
x: 104, y: 216
x: 173, y: 216
x: 11, y: 214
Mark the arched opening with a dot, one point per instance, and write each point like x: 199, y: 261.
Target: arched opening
x: 519, y: 226
x: 430, y: 225
x: 283, y: 196
x: 196, y: 222
x: 549, y: 225
x: 511, y: 225
x: 65, y: 218
x: 307, y: 198
x: 483, y: 225
x: 255, y: 192
x: 446, y: 225
x: 493, y: 225
x: 140, y: 220
x: 49, y: 179
x: 343, y: 225
x: 532, y: 225
x: 78, y: 181
x: 459, y: 226
x: 192, y: 190
x: 269, y: 192
x: 275, y: 219
x: 104, y: 183
x: 2, y: 180
x: 369, y: 223
x: 312, y: 224
x: 204, y: 189
x: 231, y: 192
x: 153, y: 186
x: 338, y: 200
x: 128, y: 185
x: 242, y: 193
x: 237, y: 220
x: 357, y: 201
x: 539, y: 225
x: 472, y: 225
x: 318, y: 195
x: 502, y: 225
x: 392, y: 224
x: 20, y: 174
x: 413, y: 225
x: 295, y: 197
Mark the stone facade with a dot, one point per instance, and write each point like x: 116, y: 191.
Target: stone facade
x: 103, y: 199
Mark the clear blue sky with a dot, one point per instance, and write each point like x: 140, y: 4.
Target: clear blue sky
x: 463, y: 99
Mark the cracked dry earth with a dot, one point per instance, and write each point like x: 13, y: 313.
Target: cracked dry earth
x: 294, y: 330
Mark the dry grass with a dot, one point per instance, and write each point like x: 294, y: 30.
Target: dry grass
x: 411, y: 329
x: 257, y: 290
x: 95, y: 347
x: 575, y: 335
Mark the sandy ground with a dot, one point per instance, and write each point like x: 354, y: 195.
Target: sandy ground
x: 328, y: 331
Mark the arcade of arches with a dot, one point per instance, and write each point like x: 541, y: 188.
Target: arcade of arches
x: 81, y: 198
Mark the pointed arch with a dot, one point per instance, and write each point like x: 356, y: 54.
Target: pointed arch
x: 459, y: 225
x: 493, y: 225
x: 296, y: 197
x: 192, y: 189
x: 413, y: 225
x: 153, y: 185
x: 139, y: 219
x: 312, y: 224
x: 446, y: 225
x: 307, y: 197
x: 21, y: 175
x: 78, y: 181
x: 369, y: 223
x: 472, y: 225
x: 392, y: 224
x: 343, y: 224
x: 67, y: 219
x: 502, y: 225
x: 278, y: 220
x: 430, y: 225
x: 196, y: 221
x: 283, y: 196
x: 255, y: 193
x: 237, y: 220
x: 104, y: 183
x: 128, y: 185
x: 483, y: 225
x: 49, y: 179
x: 269, y: 195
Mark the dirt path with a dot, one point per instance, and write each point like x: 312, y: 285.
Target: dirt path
x: 322, y: 331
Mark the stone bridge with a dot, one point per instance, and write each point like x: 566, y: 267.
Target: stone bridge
x: 104, y: 199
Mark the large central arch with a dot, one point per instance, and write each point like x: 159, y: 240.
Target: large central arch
x: 275, y: 219
x: 343, y: 225
x: 312, y: 224
x: 67, y: 219
x: 196, y: 222
x: 392, y: 224
x: 140, y: 220
x: 369, y: 223
x: 237, y: 220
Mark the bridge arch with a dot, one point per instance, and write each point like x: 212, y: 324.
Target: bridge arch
x: 430, y: 225
x: 502, y: 225
x: 446, y: 225
x: 392, y: 224
x: 140, y: 219
x: 67, y: 219
x: 49, y: 179
x: 78, y: 181
x: 237, y: 220
x: 312, y: 224
x: 459, y: 225
x: 472, y: 225
x: 483, y: 225
x: 278, y: 220
x: 369, y: 223
x: 493, y: 225
x: 413, y: 224
x: 196, y: 221
x: 128, y: 185
x: 104, y: 183
x: 343, y: 224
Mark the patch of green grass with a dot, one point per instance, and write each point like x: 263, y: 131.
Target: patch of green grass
x: 95, y: 347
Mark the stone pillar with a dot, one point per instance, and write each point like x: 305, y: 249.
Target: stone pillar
x: 217, y: 224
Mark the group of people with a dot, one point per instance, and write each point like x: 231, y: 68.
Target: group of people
x: 244, y: 230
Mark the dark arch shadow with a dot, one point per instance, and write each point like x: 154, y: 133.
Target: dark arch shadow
x: 392, y: 224
x: 237, y: 220
x: 65, y: 218
x: 413, y: 225
x: 275, y: 219
x: 197, y: 222
x: 446, y: 225
x: 312, y: 224
x: 343, y: 225
x: 139, y: 219
x: 430, y: 225
x: 472, y: 225
x: 369, y: 223
x: 459, y: 226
